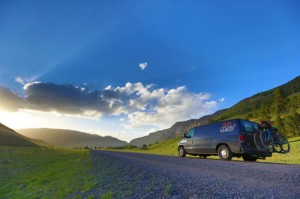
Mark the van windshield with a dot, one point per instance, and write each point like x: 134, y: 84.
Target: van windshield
x: 191, y: 133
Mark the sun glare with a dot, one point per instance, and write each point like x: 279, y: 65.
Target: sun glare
x: 18, y: 120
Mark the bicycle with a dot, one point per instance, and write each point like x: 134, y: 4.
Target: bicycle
x: 274, y: 141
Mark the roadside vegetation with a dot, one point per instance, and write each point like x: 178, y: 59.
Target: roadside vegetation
x: 43, y: 172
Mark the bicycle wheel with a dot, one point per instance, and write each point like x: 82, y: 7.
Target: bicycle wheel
x: 277, y: 146
x: 257, y: 141
x: 266, y: 141
x: 284, y: 143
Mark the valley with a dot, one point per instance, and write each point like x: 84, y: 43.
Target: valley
x: 60, y: 163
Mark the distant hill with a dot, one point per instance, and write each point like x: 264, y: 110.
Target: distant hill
x: 9, y: 137
x: 176, y: 130
x: 280, y: 105
x: 69, y: 138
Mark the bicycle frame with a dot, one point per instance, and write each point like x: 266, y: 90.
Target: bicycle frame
x: 274, y: 141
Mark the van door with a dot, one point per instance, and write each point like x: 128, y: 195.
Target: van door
x: 206, y: 137
x: 249, y: 128
x: 200, y: 144
x: 189, y: 141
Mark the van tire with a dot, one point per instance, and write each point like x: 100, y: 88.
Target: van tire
x: 181, y: 152
x: 225, y: 153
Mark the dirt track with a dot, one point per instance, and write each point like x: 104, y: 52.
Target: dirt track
x: 131, y: 175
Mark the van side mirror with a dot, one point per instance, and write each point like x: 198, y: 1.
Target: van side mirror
x: 186, y: 136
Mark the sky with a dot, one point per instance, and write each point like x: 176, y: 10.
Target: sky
x: 129, y: 68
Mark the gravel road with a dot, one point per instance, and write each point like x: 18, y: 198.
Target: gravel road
x: 133, y: 175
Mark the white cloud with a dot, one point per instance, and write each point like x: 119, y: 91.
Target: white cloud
x: 138, y: 106
x: 161, y: 107
x: 222, y: 99
x: 143, y: 65
x: 24, y: 81
x: 20, y: 80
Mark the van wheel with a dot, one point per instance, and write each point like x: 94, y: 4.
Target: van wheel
x: 181, y: 152
x: 224, y: 153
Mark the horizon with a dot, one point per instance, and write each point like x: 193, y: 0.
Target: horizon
x: 128, y: 69
x: 128, y: 141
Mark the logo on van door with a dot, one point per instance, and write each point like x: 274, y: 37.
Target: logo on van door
x: 227, y: 127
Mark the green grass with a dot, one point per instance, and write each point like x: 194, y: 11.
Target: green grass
x: 46, y: 172
x: 292, y: 157
x: 169, y: 188
x: 41, y: 172
x: 169, y: 147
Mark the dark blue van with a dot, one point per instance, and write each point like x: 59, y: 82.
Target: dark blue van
x: 227, y: 139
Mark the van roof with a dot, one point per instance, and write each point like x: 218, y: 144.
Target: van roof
x: 225, y: 121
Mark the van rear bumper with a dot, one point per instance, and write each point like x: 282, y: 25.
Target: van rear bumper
x: 255, y: 152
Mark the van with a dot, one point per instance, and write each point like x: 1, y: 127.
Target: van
x: 227, y: 139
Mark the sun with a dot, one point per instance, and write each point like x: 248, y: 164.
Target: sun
x: 18, y: 120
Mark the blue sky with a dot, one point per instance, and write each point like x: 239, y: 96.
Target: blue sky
x: 126, y: 68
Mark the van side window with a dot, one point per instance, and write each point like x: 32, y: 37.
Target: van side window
x: 248, y: 127
x: 208, y: 130
x: 191, y: 133
x: 198, y: 132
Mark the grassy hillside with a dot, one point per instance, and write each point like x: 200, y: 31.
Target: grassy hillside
x: 9, y: 137
x: 69, y: 138
x: 40, y: 172
x: 280, y: 105
x: 262, y: 103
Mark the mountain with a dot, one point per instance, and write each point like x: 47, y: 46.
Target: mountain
x: 279, y: 105
x: 263, y: 102
x: 176, y: 130
x: 69, y: 138
x: 9, y: 137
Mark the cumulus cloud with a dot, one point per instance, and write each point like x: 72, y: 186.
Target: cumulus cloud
x: 143, y: 65
x: 148, y: 105
x: 139, y: 105
x: 163, y: 107
x: 71, y: 99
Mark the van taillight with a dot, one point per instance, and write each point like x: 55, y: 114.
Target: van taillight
x: 242, y: 138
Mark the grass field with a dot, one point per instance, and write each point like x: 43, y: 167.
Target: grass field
x: 170, y: 148
x: 293, y: 157
x: 41, y: 172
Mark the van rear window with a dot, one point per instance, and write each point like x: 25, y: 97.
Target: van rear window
x: 248, y: 127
